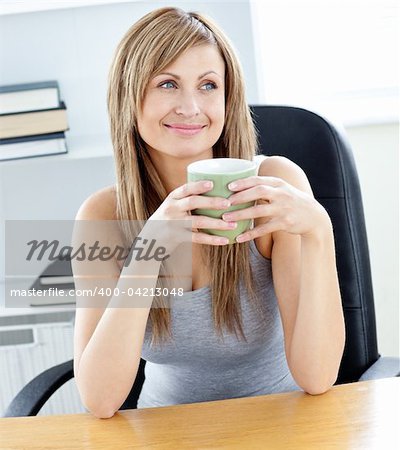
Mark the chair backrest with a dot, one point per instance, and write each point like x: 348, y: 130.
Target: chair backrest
x: 324, y: 154
x: 132, y: 399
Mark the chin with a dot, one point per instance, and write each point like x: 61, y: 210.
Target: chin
x: 186, y: 150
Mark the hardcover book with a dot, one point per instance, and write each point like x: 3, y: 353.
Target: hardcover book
x: 32, y: 146
x: 29, y: 97
x: 33, y: 123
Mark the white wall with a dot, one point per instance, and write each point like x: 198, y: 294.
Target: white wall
x: 376, y: 152
x: 75, y: 46
x: 340, y: 58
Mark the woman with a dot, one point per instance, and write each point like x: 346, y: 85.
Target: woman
x: 176, y: 95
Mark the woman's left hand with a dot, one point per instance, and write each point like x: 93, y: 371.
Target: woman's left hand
x: 284, y: 207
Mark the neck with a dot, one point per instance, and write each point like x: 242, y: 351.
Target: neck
x: 172, y: 170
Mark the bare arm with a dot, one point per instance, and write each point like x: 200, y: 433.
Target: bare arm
x: 307, y: 288
x: 311, y: 309
x: 108, y: 340
x: 304, y: 268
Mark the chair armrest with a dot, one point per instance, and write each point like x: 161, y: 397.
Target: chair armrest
x: 34, y: 395
x: 384, y: 367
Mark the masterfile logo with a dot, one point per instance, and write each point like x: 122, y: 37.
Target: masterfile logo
x: 95, y: 263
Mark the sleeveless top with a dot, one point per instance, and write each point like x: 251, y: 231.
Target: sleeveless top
x: 197, y: 366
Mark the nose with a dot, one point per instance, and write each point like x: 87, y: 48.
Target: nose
x: 187, y: 105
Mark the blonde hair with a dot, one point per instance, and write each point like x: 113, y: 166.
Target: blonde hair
x: 150, y: 45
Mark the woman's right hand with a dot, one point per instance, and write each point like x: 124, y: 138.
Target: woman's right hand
x: 178, y: 205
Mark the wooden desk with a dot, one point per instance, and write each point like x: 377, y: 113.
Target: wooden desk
x: 362, y: 415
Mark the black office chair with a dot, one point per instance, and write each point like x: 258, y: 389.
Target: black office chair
x: 31, y: 398
x: 323, y: 152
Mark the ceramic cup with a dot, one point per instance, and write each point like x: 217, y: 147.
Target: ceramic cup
x: 222, y: 171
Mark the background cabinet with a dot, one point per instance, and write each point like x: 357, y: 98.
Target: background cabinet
x: 30, y: 344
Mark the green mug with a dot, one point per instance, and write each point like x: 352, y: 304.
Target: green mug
x: 222, y: 171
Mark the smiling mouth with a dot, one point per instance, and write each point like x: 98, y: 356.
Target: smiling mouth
x: 185, y: 130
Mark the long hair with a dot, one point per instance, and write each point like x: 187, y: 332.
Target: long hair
x: 150, y: 45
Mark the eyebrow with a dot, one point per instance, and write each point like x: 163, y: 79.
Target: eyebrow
x: 178, y: 77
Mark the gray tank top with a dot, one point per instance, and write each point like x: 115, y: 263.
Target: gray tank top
x: 197, y: 366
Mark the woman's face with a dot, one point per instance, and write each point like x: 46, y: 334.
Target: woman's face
x: 184, y: 106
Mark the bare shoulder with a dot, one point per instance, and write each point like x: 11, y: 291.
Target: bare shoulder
x: 100, y: 208
x: 100, y: 205
x: 286, y: 170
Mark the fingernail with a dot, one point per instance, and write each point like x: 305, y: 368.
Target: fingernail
x: 226, y: 203
x: 208, y: 184
x: 241, y: 238
x: 232, y: 185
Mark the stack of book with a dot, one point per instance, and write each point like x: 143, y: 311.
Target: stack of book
x: 33, y: 120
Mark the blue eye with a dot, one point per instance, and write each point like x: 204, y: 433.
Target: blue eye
x: 170, y: 83
x: 213, y: 86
